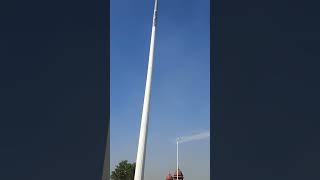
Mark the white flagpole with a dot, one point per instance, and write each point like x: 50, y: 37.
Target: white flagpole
x: 177, y: 157
x: 139, y: 171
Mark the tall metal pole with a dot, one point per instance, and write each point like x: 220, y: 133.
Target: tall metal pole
x: 177, y: 158
x: 139, y: 171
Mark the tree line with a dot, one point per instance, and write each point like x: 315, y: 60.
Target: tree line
x: 123, y: 171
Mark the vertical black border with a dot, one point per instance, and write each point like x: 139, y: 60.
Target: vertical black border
x: 264, y: 90
x: 45, y: 89
x: 212, y: 90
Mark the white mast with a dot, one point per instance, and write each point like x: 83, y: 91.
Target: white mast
x: 139, y: 171
x: 177, y: 157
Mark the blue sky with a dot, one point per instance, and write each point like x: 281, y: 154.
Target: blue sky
x: 180, y: 87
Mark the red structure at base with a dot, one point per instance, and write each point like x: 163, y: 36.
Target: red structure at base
x: 174, y: 176
x: 169, y: 177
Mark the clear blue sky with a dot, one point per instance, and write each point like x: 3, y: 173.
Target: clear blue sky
x: 180, y: 87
